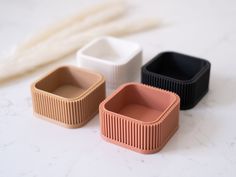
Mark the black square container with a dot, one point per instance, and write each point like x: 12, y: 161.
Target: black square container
x: 185, y: 75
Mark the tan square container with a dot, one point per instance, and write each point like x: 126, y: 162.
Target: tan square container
x: 68, y: 96
x: 139, y: 117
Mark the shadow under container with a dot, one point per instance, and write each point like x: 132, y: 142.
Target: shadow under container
x: 185, y: 75
x: 139, y: 117
x: 68, y: 96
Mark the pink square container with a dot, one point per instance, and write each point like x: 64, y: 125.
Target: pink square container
x: 139, y: 117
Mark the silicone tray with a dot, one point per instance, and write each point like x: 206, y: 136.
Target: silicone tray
x: 118, y: 60
x: 139, y: 117
x: 185, y: 75
x: 68, y: 96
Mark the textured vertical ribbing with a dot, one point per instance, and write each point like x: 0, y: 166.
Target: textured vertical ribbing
x: 124, y: 73
x: 184, y: 90
x: 128, y: 132
x: 139, y: 136
x: 115, y: 73
x: 70, y: 113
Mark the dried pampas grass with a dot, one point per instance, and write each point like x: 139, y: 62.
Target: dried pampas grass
x: 71, y: 34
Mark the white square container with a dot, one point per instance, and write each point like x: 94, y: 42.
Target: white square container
x: 118, y: 60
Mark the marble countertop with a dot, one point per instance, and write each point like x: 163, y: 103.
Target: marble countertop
x: 204, y: 145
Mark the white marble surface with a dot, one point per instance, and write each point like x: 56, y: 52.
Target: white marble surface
x: 205, y: 144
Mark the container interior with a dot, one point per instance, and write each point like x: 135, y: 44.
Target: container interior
x: 140, y: 103
x: 67, y: 82
x: 176, y: 66
x: 111, y: 50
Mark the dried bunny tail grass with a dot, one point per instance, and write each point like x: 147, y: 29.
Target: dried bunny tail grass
x: 92, y: 10
x: 50, y: 51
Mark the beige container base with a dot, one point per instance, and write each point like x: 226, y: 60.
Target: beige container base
x: 64, y: 124
x: 137, y: 149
